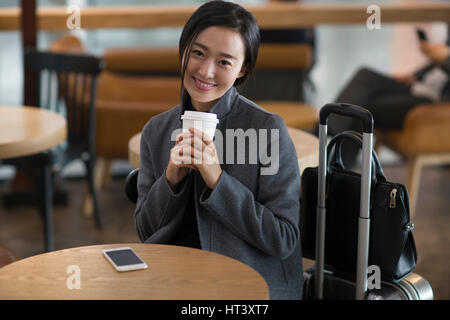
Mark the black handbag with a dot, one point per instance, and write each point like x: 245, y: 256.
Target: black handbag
x: 391, y: 245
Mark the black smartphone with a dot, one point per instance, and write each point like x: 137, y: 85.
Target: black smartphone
x: 421, y: 35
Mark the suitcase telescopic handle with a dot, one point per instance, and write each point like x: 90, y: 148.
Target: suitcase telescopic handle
x: 346, y: 109
x: 366, y: 118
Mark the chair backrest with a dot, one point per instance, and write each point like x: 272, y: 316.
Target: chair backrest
x: 67, y: 85
x: 131, y: 185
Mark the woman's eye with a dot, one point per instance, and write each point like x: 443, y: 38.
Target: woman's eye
x: 197, y: 53
x: 225, y: 63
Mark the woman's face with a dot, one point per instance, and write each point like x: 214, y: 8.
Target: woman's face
x: 215, y: 62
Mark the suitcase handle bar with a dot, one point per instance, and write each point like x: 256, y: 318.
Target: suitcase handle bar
x: 364, y: 218
x: 346, y: 109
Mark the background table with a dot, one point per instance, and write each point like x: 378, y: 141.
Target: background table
x: 307, y: 148
x: 173, y: 273
x: 25, y: 131
x: 29, y: 130
x: 306, y: 145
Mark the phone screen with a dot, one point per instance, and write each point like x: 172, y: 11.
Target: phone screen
x: 124, y: 257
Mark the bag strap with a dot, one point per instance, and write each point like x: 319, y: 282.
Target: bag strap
x: 336, y: 142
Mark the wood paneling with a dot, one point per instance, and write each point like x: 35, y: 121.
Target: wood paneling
x: 274, y: 15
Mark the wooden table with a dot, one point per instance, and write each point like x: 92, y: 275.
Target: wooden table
x: 173, y: 273
x: 306, y: 145
x: 29, y: 130
x: 25, y: 131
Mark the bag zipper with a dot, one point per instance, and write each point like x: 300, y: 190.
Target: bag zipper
x: 393, y: 200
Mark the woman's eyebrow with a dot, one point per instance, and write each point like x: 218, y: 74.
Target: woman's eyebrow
x: 226, y: 55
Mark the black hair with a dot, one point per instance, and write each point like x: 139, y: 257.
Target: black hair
x: 221, y: 14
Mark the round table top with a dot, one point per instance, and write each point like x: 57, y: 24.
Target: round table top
x: 173, y: 273
x: 29, y: 130
x: 306, y: 145
x: 307, y: 148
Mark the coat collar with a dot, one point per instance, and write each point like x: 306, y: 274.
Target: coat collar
x: 222, y: 107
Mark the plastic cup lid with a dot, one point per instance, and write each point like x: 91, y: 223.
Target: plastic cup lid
x: 197, y: 115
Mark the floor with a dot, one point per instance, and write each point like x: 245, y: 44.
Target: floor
x: 21, y: 228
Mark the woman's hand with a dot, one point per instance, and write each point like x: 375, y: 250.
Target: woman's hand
x: 407, y: 79
x: 436, y: 52
x: 178, y: 166
x: 203, y: 156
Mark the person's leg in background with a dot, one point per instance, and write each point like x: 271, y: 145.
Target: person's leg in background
x: 387, y: 99
x: 364, y: 90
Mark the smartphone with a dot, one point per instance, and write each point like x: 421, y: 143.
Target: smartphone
x: 124, y: 259
x: 421, y: 34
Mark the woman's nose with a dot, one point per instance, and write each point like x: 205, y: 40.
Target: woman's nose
x: 207, y: 69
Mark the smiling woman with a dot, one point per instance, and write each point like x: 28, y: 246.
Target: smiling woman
x: 223, y: 38
x: 210, y: 70
x: 186, y: 196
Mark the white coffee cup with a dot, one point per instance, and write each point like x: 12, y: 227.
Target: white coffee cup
x: 203, y: 121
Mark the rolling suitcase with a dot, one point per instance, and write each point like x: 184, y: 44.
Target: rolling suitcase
x: 323, y: 284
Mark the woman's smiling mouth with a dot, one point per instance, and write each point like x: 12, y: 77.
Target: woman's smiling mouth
x: 201, y: 85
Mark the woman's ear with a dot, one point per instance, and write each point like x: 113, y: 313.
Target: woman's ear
x: 242, y: 72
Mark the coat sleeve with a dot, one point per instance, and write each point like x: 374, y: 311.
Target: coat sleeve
x: 268, y: 220
x: 158, y: 209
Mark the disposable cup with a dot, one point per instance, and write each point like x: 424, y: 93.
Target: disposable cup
x: 203, y: 121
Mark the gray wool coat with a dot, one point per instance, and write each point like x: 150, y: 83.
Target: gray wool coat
x: 252, y: 214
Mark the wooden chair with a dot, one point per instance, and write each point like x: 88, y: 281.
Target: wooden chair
x: 424, y: 140
x: 67, y: 85
x: 277, y: 84
x: 135, y: 84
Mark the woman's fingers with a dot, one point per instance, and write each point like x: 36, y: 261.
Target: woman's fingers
x: 194, y: 141
x: 201, y: 135
x: 190, y: 154
x: 182, y: 136
x: 194, y: 147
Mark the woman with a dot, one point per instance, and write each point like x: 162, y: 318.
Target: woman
x: 231, y: 208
